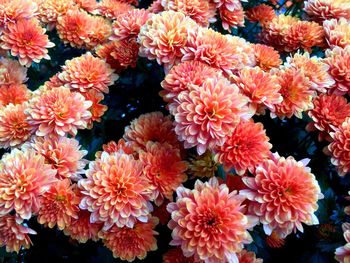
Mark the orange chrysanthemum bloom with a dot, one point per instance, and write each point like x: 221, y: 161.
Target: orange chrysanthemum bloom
x: 182, y: 76
x: 208, y: 222
x: 14, y: 94
x: 274, y: 240
x: 115, y: 191
x: 246, y: 256
x: 266, y: 57
x: 87, y: 72
x: 58, y: 111
x: 128, y: 25
x: 26, y: 39
x: 13, y: 235
x: 205, y: 115
x: 122, y: 147
x: 130, y: 243
x: 231, y: 18
x: 12, y: 11
x: 296, y: 92
x: 342, y: 254
x: 11, y: 72
x: 164, y: 168
x: 283, y: 194
x: 155, y: 7
x: 59, y: 205
x: 111, y: 9
x: 24, y: 178
x: 337, y: 32
x: 90, y: 6
x: 320, y: 10
x: 338, y: 60
x: 154, y: 127
x: 203, y: 165
x: 99, y: 32
x: 261, y: 13
x: 97, y: 109
x: 247, y: 147
x: 175, y: 255
x: 50, y: 10
x: 14, y: 127
x: 163, y: 37
x: 328, y: 113
x: 339, y: 149
x: 53, y: 82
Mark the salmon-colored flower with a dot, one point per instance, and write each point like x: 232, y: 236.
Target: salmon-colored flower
x: 261, y: 13
x: 246, y: 256
x: 205, y: 115
x: 58, y: 111
x: 229, y: 4
x: 283, y: 194
x: 50, y: 10
x: 24, y: 178
x: 26, y: 39
x: 122, y: 147
x: 274, y: 240
x: 175, y: 255
x: 320, y: 10
x: 155, y: 7
x: 11, y: 72
x: 337, y: 32
x: 208, y: 222
x: 342, y: 254
x: 97, y: 109
x: 14, y: 94
x: 231, y: 18
x: 87, y: 72
x: 99, y: 32
x: 115, y: 191
x: 203, y: 165
x: 266, y: 57
x: 112, y: 8
x: 130, y: 243
x: 11, y: 11
x: 90, y: 6
x: 13, y: 235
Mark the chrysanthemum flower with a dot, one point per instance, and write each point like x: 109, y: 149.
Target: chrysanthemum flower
x: 183, y: 75
x: 320, y: 10
x: 247, y: 147
x: 90, y: 6
x: 53, y: 82
x: 115, y: 191
x: 155, y: 7
x: 261, y: 13
x: 231, y: 18
x: 87, y: 72
x: 164, y: 35
x: 13, y: 235
x: 12, y: 11
x: 99, y: 32
x: 339, y: 149
x: 26, y: 39
x: 58, y: 111
x: 229, y: 4
x: 283, y: 194
x: 208, y: 222
x: 266, y: 57
x: 97, y: 109
x: 164, y: 168
x: 130, y: 243
x: 50, y: 10
x: 14, y: 127
x: 207, y: 114
x: 342, y: 254
x: 59, y: 205
x: 24, y: 178
x: 11, y: 72
x: 296, y: 92
x: 337, y: 32
x: 175, y: 255
x: 203, y: 165
x: 122, y: 147
x: 246, y: 256
x: 14, y: 94
x: 274, y: 240
x: 154, y: 127
x: 112, y: 8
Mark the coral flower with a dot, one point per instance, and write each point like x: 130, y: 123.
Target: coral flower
x: 87, y: 72
x: 11, y: 72
x: 266, y: 57
x: 53, y: 82
x: 14, y: 94
x: 97, y: 109
x: 339, y: 148
x: 113, y: 8
x: 283, y: 194
x: 274, y: 240
x: 261, y: 13
x: 164, y: 168
x: 27, y: 40
x: 59, y: 205
x: 115, y: 191
x: 12, y: 11
x: 246, y: 148
x: 13, y: 235
x: 155, y: 7
x: 175, y: 255
x: 50, y: 10
x: 14, y: 127
x: 185, y: 74
x: 337, y: 32
x: 342, y: 254
x: 122, y: 147
x: 203, y: 165
x: 207, y: 114
x: 231, y: 18
x: 130, y: 243
x: 24, y: 178
x: 208, y: 222
x: 100, y: 31
x: 153, y: 127
x: 320, y: 10
x: 90, y: 6
x: 58, y: 111
x: 246, y: 256
x: 163, y: 37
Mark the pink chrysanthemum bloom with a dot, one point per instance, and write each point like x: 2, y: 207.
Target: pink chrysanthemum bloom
x: 229, y: 4
x: 97, y: 109
x: 328, y: 113
x: 246, y: 256
x: 320, y: 10
x: 59, y: 205
x: 128, y: 25
x: 209, y: 222
x: 201, y: 11
x: 14, y: 127
x: 14, y: 94
x: 12, y: 11
x: 111, y: 9
x: 88, y: 5
x: 164, y: 35
x: 26, y: 39
x: 175, y: 255
x: 99, y: 32
x: 342, y: 254
x: 266, y: 57
x: 50, y: 10
x: 24, y: 178
x: 261, y: 13
x: 131, y: 243
x: 339, y: 149
x: 13, y: 235
x: 231, y: 18
x: 164, y: 168
x: 156, y: 7
x: 154, y: 127
x: 247, y: 147
x: 185, y: 74
x: 205, y: 115
x: 122, y: 147
x: 58, y: 111
x: 116, y: 192
x: 11, y: 72
x: 87, y: 72
x: 314, y: 68
x: 338, y: 60
x: 296, y: 92
x: 63, y: 154
x: 283, y: 194
x: 337, y: 32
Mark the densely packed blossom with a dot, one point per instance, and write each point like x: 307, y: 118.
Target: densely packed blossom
x: 97, y: 109
x: 112, y: 8
x: 11, y: 72
x: 246, y: 256
x: 13, y: 10
x: 337, y: 32
x: 88, y: 5
x: 231, y: 18
x: 261, y: 13
x: 320, y: 10
x: 14, y: 94
x: 266, y: 57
